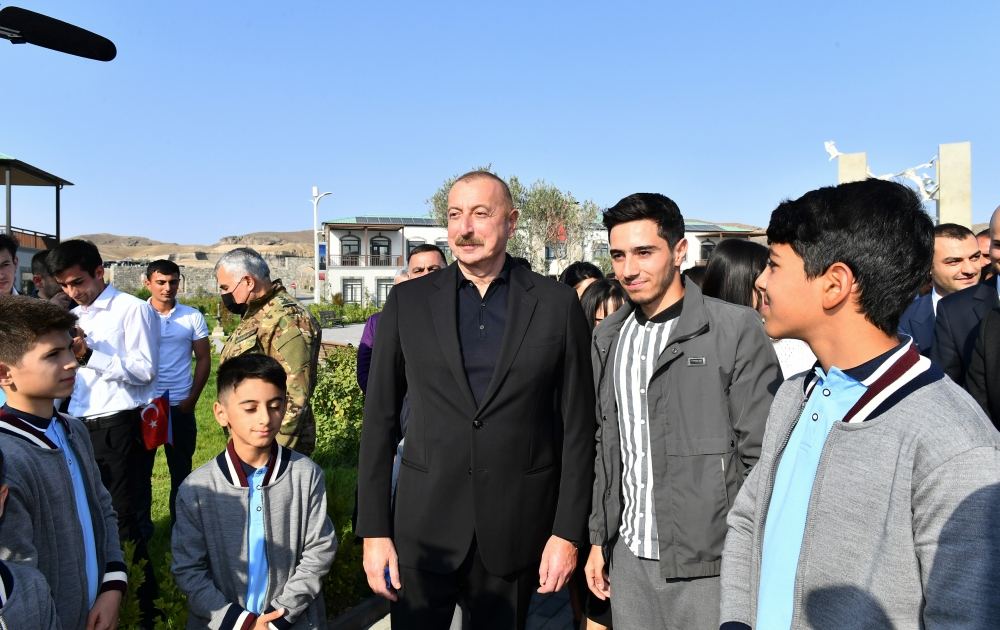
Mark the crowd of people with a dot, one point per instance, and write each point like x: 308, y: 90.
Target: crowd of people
x: 798, y: 435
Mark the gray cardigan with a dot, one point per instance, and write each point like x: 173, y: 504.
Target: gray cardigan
x: 902, y: 522
x: 209, y: 541
x: 40, y: 525
x: 26, y: 600
x: 708, y: 400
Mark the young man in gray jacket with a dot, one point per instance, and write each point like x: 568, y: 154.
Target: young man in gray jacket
x: 252, y: 541
x: 684, y: 383
x: 25, y: 598
x: 876, y: 500
x: 58, y: 516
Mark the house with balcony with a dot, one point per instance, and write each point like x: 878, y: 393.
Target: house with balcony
x: 359, y: 256
x: 363, y: 254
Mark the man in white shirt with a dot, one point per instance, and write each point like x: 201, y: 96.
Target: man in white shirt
x: 183, y: 331
x: 117, y: 345
x: 956, y: 266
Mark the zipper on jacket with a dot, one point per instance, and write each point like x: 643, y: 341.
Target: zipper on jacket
x: 770, y: 486
x: 797, y: 585
x: 725, y: 486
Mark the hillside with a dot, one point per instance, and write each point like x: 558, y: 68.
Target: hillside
x: 118, y: 247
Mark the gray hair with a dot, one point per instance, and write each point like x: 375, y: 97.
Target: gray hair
x: 244, y: 261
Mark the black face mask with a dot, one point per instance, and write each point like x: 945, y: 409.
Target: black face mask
x: 231, y: 305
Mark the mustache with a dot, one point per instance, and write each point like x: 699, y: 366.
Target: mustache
x: 461, y: 240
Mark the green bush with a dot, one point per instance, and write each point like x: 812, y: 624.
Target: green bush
x: 337, y: 404
x: 351, y: 313
x: 142, y: 293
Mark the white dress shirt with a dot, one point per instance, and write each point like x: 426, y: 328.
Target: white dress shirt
x: 124, y: 334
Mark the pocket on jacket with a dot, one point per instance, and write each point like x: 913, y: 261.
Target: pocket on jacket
x: 413, y: 465
x: 537, y: 470
x: 701, y: 446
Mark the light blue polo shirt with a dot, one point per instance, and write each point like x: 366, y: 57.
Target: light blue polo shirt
x: 832, y: 397
x: 256, y: 545
x: 57, y: 434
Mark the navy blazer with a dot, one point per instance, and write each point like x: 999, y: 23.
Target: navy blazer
x: 917, y: 322
x: 957, y: 327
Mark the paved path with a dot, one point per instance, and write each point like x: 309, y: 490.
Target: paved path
x: 349, y: 334
x: 548, y: 612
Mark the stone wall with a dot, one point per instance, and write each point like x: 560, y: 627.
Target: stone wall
x: 201, y: 280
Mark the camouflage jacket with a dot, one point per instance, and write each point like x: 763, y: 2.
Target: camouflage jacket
x: 278, y: 326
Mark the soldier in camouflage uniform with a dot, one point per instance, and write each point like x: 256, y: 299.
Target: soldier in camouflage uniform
x: 275, y: 324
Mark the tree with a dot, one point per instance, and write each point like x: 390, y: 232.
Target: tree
x: 548, y: 218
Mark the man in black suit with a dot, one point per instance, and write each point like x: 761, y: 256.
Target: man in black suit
x: 956, y: 266
x: 958, y: 316
x: 983, y: 378
x: 494, y: 489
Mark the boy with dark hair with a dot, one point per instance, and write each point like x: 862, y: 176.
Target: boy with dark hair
x: 25, y: 599
x: 252, y: 540
x: 877, y: 479
x: 59, y: 516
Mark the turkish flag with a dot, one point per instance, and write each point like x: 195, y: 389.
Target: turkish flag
x: 156, y: 422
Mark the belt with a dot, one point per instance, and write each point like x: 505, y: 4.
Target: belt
x: 109, y: 421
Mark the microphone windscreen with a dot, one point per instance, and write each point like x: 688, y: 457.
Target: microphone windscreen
x: 42, y: 30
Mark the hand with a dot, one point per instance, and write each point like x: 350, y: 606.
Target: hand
x: 186, y: 405
x: 104, y: 614
x: 79, y: 342
x: 558, y: 562
x: 263, y: 621
x: 380, y: 553
x: 597, y: 576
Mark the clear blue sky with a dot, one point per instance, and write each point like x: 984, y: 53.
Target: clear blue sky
x: 217, y: 117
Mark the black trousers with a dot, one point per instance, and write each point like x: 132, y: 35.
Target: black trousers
x: 180, y: 454
x: 122, y: 460
x: 427, y: 600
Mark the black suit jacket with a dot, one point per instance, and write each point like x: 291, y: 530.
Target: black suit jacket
x: 983, y: 377
x: 918, y: 322
x: 512, y: 471
x: 957, y: 326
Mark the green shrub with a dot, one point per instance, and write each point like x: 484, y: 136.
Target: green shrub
x: 351, y: 313
x: 142, y: 293
x: 338, y: 403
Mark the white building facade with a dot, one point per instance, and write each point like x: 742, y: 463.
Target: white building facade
x: 363, y: 254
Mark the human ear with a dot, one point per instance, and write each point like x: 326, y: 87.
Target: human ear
x: 6, y: 376
x: 680, y: 252
x: 219, y: 410
x: 838, y: 284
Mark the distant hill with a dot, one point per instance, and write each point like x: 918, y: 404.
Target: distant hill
x: 117, y: 247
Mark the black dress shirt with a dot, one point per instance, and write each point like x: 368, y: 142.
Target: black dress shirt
x: 481, y: 324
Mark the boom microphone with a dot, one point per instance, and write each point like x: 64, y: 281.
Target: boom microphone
x: 21, y: 26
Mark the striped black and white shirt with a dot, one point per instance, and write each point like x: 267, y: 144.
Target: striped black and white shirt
x: 640, y: 343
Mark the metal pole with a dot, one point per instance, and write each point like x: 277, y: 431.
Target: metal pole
x: 7, y: 183
x: 316, y: 196
x: 58, y: 229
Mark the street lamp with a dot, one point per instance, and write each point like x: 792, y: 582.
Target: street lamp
x: 316, y: 196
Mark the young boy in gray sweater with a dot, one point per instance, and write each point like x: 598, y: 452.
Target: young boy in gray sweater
x: 876, y: 499
x: 25, y: 599
x: 58, y: 516
x: 252, y: 541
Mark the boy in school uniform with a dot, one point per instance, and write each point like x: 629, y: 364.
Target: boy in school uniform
x: 874, y: 503
x: 58, y: 516
x: 252, y: 541
x: 25, y: 600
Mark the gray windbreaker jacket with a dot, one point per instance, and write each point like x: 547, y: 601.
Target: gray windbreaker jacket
x: 209, y: 541
x: 708, y: 400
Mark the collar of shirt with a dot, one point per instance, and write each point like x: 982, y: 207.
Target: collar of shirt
x: 671, y: 312
x: 168, y: 314
x: 859, y: 374
x: 255, y: 305
x: 40, y: 423
x: 504, y: 275
x: 935, y: 298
